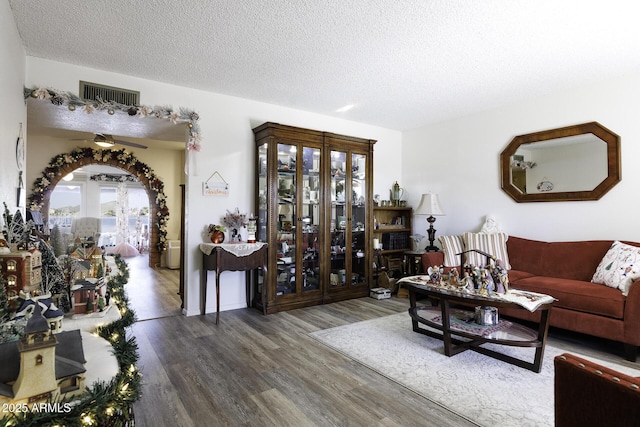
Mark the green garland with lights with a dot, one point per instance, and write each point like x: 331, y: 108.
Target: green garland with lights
x: 106, y: 403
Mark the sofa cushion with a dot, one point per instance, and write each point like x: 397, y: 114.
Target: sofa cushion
x: 491, y: 243
x: 567, y: 260
x: 515, y: 275
x: 619, y: 267
x: 576, y: 294
x: 451, y: 247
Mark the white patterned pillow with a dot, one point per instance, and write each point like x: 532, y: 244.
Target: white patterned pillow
x: 619, y: 267
x: 451, y: 246
x: 491, y: 243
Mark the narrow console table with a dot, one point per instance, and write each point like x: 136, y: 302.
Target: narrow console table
x: 232, y: 257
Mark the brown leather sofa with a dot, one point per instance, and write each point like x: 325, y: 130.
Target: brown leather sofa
x: 564, y: 271
x: 588, y: 394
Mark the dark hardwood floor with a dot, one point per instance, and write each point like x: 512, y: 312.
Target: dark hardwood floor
x: 255, y: 370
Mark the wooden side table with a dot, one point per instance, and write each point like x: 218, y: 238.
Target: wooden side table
x: 225, y: 257
x: 413, y: 262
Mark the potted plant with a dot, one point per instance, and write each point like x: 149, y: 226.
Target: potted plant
x: 216, y: 233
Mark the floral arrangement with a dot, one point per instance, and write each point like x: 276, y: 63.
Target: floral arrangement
x: 235, y: 220
x: 81, y: 156
x: 73, y: 102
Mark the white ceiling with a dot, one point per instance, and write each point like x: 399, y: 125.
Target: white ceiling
x: 402, y: 63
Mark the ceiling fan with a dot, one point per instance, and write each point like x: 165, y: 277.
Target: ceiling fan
x: 106, y: 141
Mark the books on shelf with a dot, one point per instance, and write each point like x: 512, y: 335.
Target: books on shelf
x: 395, y: 241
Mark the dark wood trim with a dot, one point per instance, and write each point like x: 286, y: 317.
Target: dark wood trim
x: 613, y: 163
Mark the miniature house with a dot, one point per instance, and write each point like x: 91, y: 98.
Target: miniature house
x: 41, y: 365
x: 51, y: 313
x: 85, y: 291
x: 22, y: 271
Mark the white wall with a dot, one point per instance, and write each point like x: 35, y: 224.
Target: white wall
x: 227, y: 147
x: 459, y: 160
x: 588, y: 161
x: 12, y: 108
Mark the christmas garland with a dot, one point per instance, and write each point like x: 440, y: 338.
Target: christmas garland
x: 106, y: 177
x: 142, y: 171
x: 106, y: 403
x: 73, y: 102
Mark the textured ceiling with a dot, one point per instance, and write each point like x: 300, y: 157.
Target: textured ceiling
x: 402, y: 63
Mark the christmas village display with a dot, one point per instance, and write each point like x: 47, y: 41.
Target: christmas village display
x: 43, y: 375
x: 42, y: 279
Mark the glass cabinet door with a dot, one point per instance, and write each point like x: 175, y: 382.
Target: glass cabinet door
x: 299, y: 219
x: 262, y: 193
x: 348, y: 219
x: 286, y: 220
x: 358, y: 200
x: 340, y: 271
x: 310, y: 219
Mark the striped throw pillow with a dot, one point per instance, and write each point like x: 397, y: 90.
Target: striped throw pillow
x: 451, y: 246
x: 493, y: 243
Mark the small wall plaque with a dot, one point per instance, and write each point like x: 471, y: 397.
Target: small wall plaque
x: 217, y: 188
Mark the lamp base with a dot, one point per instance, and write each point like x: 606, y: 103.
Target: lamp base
x: 432, y: 235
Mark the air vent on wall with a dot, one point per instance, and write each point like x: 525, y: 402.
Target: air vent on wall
x: 95, y: 91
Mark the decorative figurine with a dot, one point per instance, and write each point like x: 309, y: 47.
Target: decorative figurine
x: 490, y: 225
x: 435, y: 274
x: 454, y: 277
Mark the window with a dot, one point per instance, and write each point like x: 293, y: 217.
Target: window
x: 64, y: 205
x: 137, y: 211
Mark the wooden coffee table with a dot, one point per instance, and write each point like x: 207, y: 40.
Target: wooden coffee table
x: 456, y: 340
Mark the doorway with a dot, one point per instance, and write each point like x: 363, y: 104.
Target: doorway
x: 53, y: 130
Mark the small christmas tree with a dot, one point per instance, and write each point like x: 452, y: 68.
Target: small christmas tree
x: 4, y: 302
x: 7, y: 330
x: 100, y: 272
x: 89, y: 303
x: 56, y: 241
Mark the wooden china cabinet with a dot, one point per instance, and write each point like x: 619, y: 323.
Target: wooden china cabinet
x: 314, y: 203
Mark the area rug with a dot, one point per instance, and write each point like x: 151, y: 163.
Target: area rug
x: 483, y: 390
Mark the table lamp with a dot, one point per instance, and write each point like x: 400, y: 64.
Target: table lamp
x: 430, y: 205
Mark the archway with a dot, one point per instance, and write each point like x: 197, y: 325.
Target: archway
x: 63, y: 164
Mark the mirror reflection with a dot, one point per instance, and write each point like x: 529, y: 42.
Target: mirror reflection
x: 575, y: 163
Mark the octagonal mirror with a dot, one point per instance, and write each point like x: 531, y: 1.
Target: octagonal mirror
x: 580, y: 162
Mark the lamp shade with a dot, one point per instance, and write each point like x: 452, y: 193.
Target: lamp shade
x: 429, y: 205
